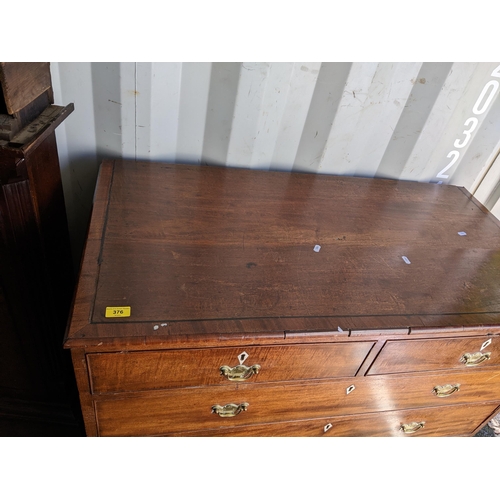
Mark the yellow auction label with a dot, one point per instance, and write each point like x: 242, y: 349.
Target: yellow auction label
x: 117, y: 312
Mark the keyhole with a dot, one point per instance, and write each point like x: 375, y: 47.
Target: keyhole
x: 485, y: 344
x: 242, y: 357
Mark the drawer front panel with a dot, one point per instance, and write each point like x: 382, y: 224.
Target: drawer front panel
x: 400, y: 356
x: 456, y: 420
x: 156, y: 413
x: 139, y: 371
x: 191, y: 409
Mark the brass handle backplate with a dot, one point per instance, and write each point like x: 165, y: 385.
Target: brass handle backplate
x: 475, y: 359
x: 240, y: 372
x: 443, y: 391
x: 229, y: 410
x: 412, y: 427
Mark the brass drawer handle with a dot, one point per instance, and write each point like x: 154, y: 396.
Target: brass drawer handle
x: 443, y: 391
x: 475, y: 359
x: 229, y: 410
x: 240, y: 372
x: 412, y: 427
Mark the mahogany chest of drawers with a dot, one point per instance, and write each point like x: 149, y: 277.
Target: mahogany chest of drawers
x: 233, y: 302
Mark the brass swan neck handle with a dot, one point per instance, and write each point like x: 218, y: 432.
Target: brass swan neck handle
x: 239, y: 372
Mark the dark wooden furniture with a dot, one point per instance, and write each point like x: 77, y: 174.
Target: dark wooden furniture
x: 36, y: 275
x: 233, y: 302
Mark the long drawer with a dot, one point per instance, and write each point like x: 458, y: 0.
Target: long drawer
x: 148, y: 370
x: 456, y: 420
x: 162, y: 412
x: 400, y: 356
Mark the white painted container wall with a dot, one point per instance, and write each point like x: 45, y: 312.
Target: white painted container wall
x: 427, y: 122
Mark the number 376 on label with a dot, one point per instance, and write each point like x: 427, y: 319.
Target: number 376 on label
x: 117, y: 312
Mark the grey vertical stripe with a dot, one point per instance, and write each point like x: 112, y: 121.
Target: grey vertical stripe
x: 192, y: 113
x: 142, y: 118
x: 426, y: 89
x: 327, y: 94
x: 107, y: 108
x: 224, y: 80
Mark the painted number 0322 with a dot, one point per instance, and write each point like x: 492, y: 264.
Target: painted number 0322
x: 481, y: 105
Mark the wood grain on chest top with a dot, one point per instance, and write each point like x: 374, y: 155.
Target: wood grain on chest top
x: 205, y: 244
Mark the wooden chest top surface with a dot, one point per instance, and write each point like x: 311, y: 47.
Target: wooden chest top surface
x: 198, y: 250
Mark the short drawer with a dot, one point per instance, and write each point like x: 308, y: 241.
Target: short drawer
x: 400, y: 356
x: 149, y: 370
x: 456, y: 420
x: 163, y: 412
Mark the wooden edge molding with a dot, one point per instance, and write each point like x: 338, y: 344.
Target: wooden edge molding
x: 35, y: 132
x: 80, y: 318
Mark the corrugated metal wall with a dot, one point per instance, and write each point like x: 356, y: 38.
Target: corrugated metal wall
x: 428, y: 122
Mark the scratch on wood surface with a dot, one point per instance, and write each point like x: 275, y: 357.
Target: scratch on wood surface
x: 493, y: 377
x: 385, y: 263
x: 396, y: 301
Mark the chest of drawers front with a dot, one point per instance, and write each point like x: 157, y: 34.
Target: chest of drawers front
x: 445, y: 386
x: 203, y: 346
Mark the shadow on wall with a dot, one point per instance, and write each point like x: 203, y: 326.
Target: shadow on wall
x: 104, y: 122
x: 79, y: 179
